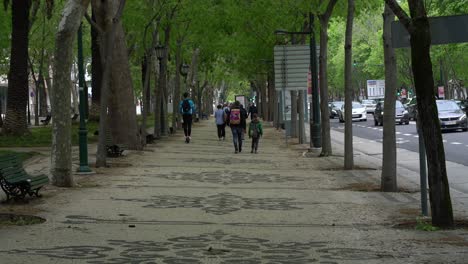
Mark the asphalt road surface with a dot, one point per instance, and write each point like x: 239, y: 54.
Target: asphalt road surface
x: 455, y: 143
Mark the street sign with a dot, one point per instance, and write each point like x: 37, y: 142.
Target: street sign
x: 444, y: 30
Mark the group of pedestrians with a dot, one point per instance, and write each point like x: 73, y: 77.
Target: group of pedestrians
x: 235, y: 116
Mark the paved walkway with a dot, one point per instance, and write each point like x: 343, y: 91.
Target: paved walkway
x: 201, y: 203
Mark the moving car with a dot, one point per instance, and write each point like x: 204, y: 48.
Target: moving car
x: 359, y: 112
x: 335, y: 108
x: 401, y: 114
x: 451, y: 116
x: 370, y: 105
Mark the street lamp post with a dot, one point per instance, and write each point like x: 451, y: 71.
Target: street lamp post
x: 315, y: 126
x: 83, y: 131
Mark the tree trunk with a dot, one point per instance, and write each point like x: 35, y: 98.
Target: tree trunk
x: 108, y: 48
x: 61, y: 167
x: 96, y: 72
x: 176, y: 96
x: 271, y: 96
x: 323, y: 84
x: 263, y: 91
x: 420, y: 39
x: 389, y: 169
x: 349, y: 153
x: 43, y: 95
x: 121, y: 105
x: 18, y: 86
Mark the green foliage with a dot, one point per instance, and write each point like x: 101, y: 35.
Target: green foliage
x: 42, y: 137
x: 22, y: 155
x: 424, y: 225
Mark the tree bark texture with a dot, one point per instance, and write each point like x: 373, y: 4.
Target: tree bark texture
x: 96, y: 73
x: 121, y: 105
x: 271, y: 97
x: 389, y: 168
x: 163, y: 80
x: 176, y: 96
x: 263, y: 90
x: 348, y: 78
x: 18, y: 86
x: 323, y: 84
x: 107, y: 46
x: 61, y: 167
x: 420, y: 39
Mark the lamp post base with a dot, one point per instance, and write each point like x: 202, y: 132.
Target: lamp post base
x: 84, y: 169
x: 316, y: 135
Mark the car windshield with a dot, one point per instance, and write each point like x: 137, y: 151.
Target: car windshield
x: 338, y: 104
x: 357, y: 105
x: 368, y: 102
x: 447, y: 106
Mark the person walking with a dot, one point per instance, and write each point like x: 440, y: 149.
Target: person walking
x: 252, y: 110
x: 234, y: 120
x: 243, y: 121
x: 220, y: 119
x: 255, y: 132
x: 187, y: 109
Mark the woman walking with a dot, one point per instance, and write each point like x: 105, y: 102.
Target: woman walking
x: 220, y: 117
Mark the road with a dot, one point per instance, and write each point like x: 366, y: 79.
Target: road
x: 455, y: 143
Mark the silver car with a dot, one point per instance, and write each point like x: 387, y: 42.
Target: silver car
x: 451, y: 116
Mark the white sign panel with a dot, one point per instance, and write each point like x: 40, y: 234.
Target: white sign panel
x: 375, y: 89
x: 291, y: 67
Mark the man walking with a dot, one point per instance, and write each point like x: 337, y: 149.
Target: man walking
x: 186, y: 109
x: 235, y: 120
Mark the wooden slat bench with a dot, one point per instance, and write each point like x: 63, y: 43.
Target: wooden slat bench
x: 16, y: 182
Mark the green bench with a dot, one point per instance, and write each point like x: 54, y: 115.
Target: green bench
x: 16, y: 182
x: 114, y: 149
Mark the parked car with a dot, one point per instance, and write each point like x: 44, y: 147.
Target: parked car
x: 359, y: 112
x: 401, y: 114
x: 451, y: 116
x: 335, y: 108
x: 370, y: 105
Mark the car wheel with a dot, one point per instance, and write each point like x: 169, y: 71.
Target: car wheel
x: 341, y: 120
x: 376, y: 123
x: 465, y: 129
x: 400, y: 123
x: 407, y: 122
x: 364, y: 120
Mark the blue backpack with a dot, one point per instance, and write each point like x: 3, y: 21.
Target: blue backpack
x: 186, y: 107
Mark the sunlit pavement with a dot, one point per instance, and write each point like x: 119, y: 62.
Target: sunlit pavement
x: 201, y: 203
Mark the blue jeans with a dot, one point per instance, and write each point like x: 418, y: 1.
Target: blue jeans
x: 237, y: 132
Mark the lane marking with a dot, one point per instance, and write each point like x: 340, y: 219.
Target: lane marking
x: 456, y: 143
x: 380, y: 129
x: 416, y: 136
x: 398, y: 133
x: 444, y: 141
x: 408, y: 135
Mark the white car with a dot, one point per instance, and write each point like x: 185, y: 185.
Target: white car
x: 359, y: 112
x: 370, y: 105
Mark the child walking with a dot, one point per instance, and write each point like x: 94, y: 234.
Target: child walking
x: 255, y: 132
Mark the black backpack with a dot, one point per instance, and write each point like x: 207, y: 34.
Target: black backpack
x: 186, y: 106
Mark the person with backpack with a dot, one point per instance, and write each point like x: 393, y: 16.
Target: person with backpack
x: 187, y: 109
x: 220, y: 119
x: 235, y: 120
x: 255, y: 132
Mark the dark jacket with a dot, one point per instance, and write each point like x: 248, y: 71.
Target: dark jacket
x: 242, y: 118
